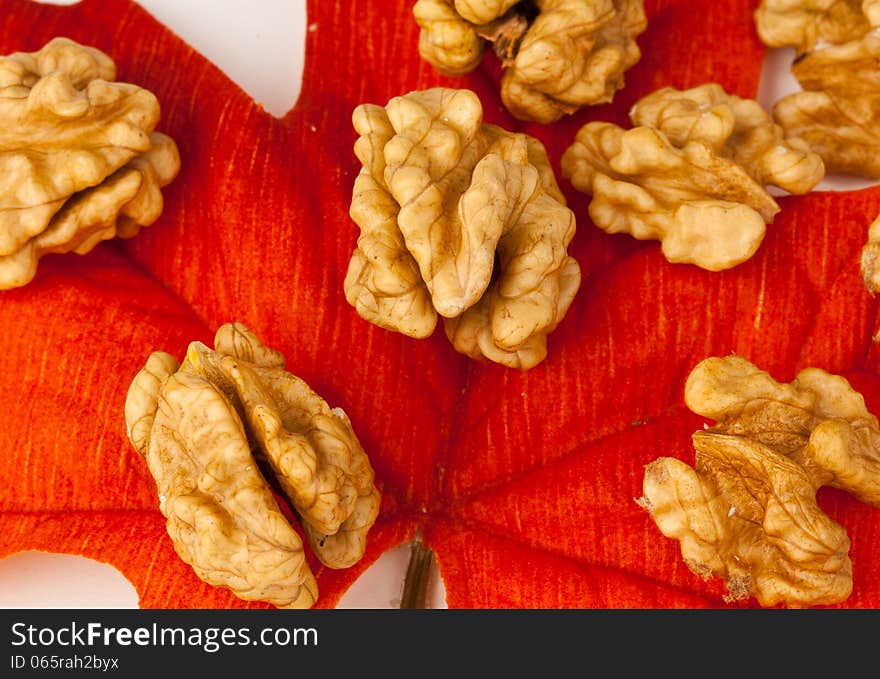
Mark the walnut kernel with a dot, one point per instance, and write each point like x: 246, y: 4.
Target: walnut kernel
x: 692, y: 174
x: 459, y: 219
x: 870, y: 259
x: 212, y: 430
x: 747, y: 510
x: 807, y: 24
x: 558, y: 55
x: 80, y: 156
x: 838, y: 111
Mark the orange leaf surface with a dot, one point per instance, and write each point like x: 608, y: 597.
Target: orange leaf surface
x: 523, y: 484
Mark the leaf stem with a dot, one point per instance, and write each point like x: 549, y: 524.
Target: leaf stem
x: 418, y: 575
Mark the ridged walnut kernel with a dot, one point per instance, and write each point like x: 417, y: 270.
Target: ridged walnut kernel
x: 838, y: 111
x: 558, y: 56
x: 747, y: 511
x: 80, y: 158
x: 808, y: 24
x: 223, y: 430
x: 459, y: 219
x: 692, y: 173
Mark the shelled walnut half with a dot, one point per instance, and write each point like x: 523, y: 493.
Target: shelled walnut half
x: 692, y: 173
x: 747, y: 511
x: 459, y: 219
x: 808, y: 24
x: 870, y: 259
x: 79, y: 155
x: 838, y: 110
x: 558, y: 55
x: 219, y: 433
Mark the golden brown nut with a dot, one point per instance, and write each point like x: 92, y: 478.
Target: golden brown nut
x: 558, y: 55
x: 447, y: 40
x: 838, y: 113
x: 870, y: 260
x: 211, y: 430
x: 692, y: 174
x: 806, y: 24
x: 735, y: 128
x: 79, y: 155
x: 461, y: 219
x: 747, y: 511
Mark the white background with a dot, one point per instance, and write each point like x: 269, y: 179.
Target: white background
x: 260, y: 45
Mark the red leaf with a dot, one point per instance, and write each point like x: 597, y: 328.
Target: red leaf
x: 522, y: 483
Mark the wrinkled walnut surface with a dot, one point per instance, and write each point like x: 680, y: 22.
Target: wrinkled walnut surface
x: 459, y: 219
x: 79, y: 156
x: 870, y: 260
x: 747, y: 511
x: 838, y: 113
x: 807, y: 24
x: 692, y: 174
x: 212, y: 429
x: 558, y: 55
